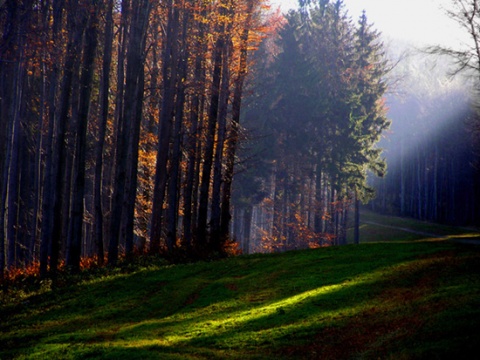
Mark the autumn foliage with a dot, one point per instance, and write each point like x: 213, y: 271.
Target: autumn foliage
x: 117, y: 119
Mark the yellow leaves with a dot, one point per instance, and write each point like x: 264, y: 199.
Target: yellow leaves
x: 210, y: 37
x: 201, y: 19
x: 225, y: 19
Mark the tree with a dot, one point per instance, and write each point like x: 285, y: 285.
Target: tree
x: 103, y: 115
x: 135, y: 65
x: 90, y: 47
x: 233, y: 137
x: 372, y: 71
x: 169, y: 75
x: 221, y: 43
x: 129, y: 127
x: 465, y: 13
x: 176, y: 153
x: 193, y: 143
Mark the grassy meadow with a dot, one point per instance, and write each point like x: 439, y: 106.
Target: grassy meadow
x: 398, y: 295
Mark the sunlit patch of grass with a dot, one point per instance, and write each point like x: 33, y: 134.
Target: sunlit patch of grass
x: 219, y: 323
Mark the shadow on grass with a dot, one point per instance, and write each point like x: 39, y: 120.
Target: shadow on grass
x: 247, y: 307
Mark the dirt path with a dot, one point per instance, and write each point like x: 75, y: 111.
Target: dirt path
x: 405, y: 229
x: 474, y: 241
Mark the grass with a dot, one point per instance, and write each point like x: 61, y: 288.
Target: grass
x: 380, y: 228
x: 402, y: 299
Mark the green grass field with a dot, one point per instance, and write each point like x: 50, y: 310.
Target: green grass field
x: 401, y: 298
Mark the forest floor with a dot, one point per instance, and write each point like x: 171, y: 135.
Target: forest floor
x: 398, y: 295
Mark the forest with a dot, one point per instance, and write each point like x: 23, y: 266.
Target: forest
x: 432, y: 151
x: 119, y: 125
x: 200, y: 129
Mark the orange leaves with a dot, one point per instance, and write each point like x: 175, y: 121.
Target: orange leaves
x: 28, y: 273
x: 15, y: 274
x: 232, y: 248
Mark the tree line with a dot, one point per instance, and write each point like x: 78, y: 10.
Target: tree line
x: 119, y: 124
x: 123, y: 123
x: 320, y: 107
x: 436, y: 175
x: 431, y: 150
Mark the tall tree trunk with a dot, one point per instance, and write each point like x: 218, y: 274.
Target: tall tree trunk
x: 116, y: 181
x: 91, y: 41
x: 173, y: 193
x: 39, y: 143
x: 419, y: 190
x: 318, y: 200
x: 190, y: 175
x: 26, y: 197
x: 13, y: 165
x: 402, y: 180
x: 173, y: 188
x: 344, y: 223
x: 193, y: 143
x: 48, y: 196
x: 8, y: 96
x: 332, y: 213
x: 136, y: 61
x: 219, y: 149
x: 127, y: 146
x: 169, y: 72
x: 104, y: 104
x: 210, y: 133
x: 356, y: 235
x: 132, y: 171
x: 233, y: 137
x: 435, y: 185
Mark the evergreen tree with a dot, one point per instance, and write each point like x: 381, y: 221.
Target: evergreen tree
x: 325, y: 114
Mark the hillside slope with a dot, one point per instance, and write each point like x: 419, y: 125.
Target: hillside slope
x: 408, y: 300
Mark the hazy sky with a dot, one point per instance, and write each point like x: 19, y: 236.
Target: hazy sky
x: 420, y: 21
